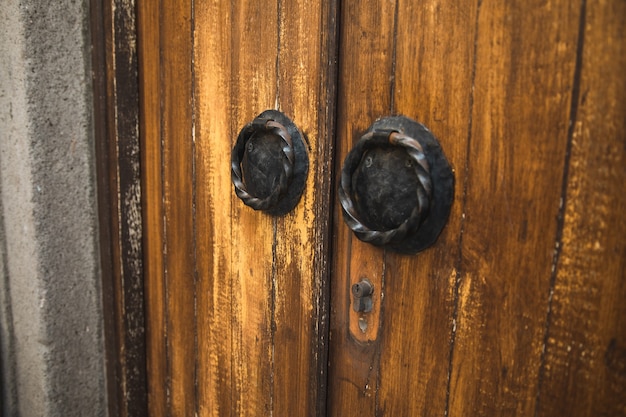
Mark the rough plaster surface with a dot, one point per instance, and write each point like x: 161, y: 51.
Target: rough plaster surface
x: 51, y: 342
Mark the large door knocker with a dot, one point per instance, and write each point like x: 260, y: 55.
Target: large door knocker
x: 396, y: 186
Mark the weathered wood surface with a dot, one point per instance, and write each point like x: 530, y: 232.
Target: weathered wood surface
x: 516, y: 310
x: 584, y: 366
x: 481, y: 323
x: 399, y: 59
x: 152, y: 205
x: 236, y: 299
x: 116, y: 120
x: 522, y: 93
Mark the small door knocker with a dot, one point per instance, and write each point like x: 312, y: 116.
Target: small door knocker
x: 396, y: 186
x: 269, y: 164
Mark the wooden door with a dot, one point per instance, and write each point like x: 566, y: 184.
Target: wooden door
x: 234, y: 296
x: 516, y: 310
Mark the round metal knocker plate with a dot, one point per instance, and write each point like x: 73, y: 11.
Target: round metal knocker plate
x: 396, y: 186
x: 269, y: 164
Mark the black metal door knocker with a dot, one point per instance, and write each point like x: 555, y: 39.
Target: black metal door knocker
x: 269, y: 163
x: 396, y: 186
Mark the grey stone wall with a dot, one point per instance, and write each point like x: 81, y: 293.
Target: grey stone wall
x: 51, y: 327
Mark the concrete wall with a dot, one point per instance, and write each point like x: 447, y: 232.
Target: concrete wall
x: 51, y: 328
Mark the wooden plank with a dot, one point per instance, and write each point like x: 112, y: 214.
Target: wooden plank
x: 522, y: 90
x: 119, y: 192
x: 214, y: 130
x: 306, y: 92
x: 175, y: 23
x: 261, y: 279
x: 253, y: 88
x: 152, y: 203
x: 411, y: 63
x: 584, y: 371
x: 235, y: 80
x: 433, y: 80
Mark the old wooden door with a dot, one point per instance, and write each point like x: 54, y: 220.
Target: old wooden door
x: 516, y: 310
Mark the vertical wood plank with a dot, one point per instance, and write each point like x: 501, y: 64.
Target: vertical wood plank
x: 522, y: 91
x: 235, y: 80
x: 584, y: 372
x: 433, y: 84
x: 100, y: 38
x: 178, y: 198
x: 152, y: 203
x: 119, y: 192
x: 261, y: 279
x: 306, y: 92
x: 254, y: 88
x: 213, y: 62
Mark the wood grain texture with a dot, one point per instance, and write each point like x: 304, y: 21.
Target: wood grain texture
x: 237, y: 300
x: 584, y: 371
x: 152, y: 204
x: 236, y: 79
x: 167, y: 132
x: 416, y: 62
x: 521, y: 106
x: 116, y: 96
x: 216, y: 376
x: 435, y: 46
x: 306, y: 92
x: 177, y: 136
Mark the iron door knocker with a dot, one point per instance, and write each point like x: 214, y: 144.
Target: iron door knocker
x: 269, y: 164
x: 396, y: 186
